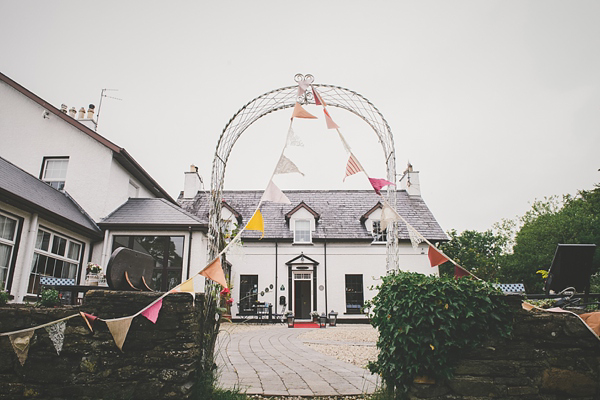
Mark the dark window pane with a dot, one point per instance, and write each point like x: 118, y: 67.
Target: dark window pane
x: 59, y: 245
x: 354, y: 293
x: 43, y: 240
x: 248, y: 293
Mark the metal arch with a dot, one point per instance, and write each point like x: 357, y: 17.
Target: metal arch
x: 286, y: 97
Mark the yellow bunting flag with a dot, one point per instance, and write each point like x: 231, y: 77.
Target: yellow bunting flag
x: 300, y: 112
x: 256, y: 223
x: 20, y: 343
x: 118, y: 328
x: 214, y: 271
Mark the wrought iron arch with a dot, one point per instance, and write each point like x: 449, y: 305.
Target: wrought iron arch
x: 286, y: 97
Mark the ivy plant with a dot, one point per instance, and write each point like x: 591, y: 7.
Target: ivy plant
x: 425, y: 322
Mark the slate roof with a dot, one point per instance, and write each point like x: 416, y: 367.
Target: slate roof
x: 340, y: 213
x: 27, y: 192
x: 144, y: 212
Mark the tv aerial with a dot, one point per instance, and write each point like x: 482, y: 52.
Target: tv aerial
x: 103, y: 95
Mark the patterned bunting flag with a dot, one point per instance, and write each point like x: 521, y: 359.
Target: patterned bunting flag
x: 214, y: 271
x: 20, y: 343
x: 152, y: 312
x: 352, y: 167
x: 415, y: 237
x: 286, y: 166
x: 329, y: 121
x: 436, y: 257
x: 300, y: 112
x: 274, y: 194
x: 378, y: 184
x: 57, y: 335
x: 256, y: 223
x: 119, y: 327
x: 293, y: 139
x: 388, y: 215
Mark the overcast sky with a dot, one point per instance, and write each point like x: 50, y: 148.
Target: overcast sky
x: 496, y: 103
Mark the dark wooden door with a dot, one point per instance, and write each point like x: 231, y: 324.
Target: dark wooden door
x: 302, y: 299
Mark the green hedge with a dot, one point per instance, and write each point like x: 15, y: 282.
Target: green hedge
x: 424, y: 322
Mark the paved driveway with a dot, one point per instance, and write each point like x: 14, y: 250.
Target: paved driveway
x: 273, y: 361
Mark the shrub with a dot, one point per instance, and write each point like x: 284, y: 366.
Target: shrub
x: 425, y: 322
x: 49, y: 298
x: 3, y: 297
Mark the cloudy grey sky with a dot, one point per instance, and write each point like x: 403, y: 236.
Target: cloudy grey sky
x: 496, y: 103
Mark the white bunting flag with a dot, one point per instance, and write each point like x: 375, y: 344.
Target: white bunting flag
x: 57, y: 335
x: 388, y: 215
x: 415, y: 237
x: 274, y: 194
x: 286, y: 166
x: 293, y: 139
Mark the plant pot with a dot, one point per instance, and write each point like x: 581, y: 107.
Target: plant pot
x: 92, y: 279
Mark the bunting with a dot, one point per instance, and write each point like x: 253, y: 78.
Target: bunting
x: 20, y: 343
x: 152, y: 312
x: 378, y: 184
x: 256, y: 223
x: 329, y: 121
x: 318, y: 99
x: 286, y: 166
x: 388, y: 216
x: 274, y: 194
x: 119, y: 327
x: 436, y: 257
x: 214, y: 270
x: 460, y: 272
x: 89, y: 320
x: 300, y: 112
x: 57, y: 335
x: 293, y: 139
x: 415, y: 237
x: 352, y: 167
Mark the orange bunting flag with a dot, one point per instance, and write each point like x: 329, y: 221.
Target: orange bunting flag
x: 353, y: 166
x: 460, y: 272
x: 318, y: 99
x: 436, y: 257
x: 152, y: 312
x: 214, y: 272
x: 300, y: 112
x: 119, y: 327
x: 256, y: 223
x: 329, y: 121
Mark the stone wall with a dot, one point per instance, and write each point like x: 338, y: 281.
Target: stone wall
x: 549, y: 357
x: 158, y: 360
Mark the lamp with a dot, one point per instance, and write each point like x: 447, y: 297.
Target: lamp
x: 290, y: 320
x: 332, y: 318
x: 323, y: 321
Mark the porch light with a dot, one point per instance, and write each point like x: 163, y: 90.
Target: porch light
x: 332, y: 318
x: 323, y: 321
x: 290, y: 320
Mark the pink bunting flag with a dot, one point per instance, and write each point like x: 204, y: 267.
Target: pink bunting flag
x: 300, y: 112
x: 378, y: 184
x: 152, y: 312
x: 329, y: 121
x: 352, y: 167
x: 436, y: 257
x: 318, y: 99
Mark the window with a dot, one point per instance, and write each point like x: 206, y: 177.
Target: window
x: 378, y: 234
x: 302, y: 231
x: 8, y: 227
x: 354, y: 294
x: 54, y: 172
x: 248, y: 293
x: 167, y: 252
x: 54, y: 255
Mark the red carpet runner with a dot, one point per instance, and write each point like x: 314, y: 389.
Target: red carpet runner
x: 305, y: 325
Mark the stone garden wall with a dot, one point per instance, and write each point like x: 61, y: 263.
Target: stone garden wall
x: 158, y: 360
x: 550, y: 357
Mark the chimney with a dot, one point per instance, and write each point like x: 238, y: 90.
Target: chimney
x: 63, y: 108
x: 72, y: 112
x: 410, y: 181
x: 88, y: 120
x: 90, y: 112
x: 81, y: 113
x: 192, y: 183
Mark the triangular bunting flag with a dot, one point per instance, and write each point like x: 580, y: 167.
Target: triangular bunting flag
x: 346, y: 145
x: 415, y: 237
x: 118, y: 328
x: 57, y: 335
x: 300, y: 112
x: 89, y: 320
x: 286, y: 166
x: 20, y: 343
x: 152, y: 312
x: 388, y: 215
x: 293, y: 139
x: 318, y: 99
x: 329, y: 121
x: 256, y: 223
x: 459, y: 272
x: 274, y: 194
x: 352, y: 167
x: 378, y: 184
x: 436, y: 257
x: 214, y: 271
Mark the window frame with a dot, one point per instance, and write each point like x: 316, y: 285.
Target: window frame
x: 54, y: 182
x: 12, y: 245
x: 352, y: 294
x: 296, y: 231
x: 379, y: 236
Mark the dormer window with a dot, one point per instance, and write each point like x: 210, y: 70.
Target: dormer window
x: 54, y: 172
x: 379, y: 235
x: 302, y: 231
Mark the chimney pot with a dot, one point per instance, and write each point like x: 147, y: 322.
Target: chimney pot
x: 72, y: 112
x: 90, y: 112
x: 63, y: 108
x: 81, y: 113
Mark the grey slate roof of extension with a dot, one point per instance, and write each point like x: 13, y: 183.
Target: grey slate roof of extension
x: 340, y: 213
x: 25, y: 191
x: 150, y: 212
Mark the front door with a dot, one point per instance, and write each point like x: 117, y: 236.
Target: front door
x: 302, y: 299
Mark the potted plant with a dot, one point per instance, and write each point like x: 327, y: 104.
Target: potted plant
x: 93, y: 274
x: 226, y: 302
x: 315, y: 316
